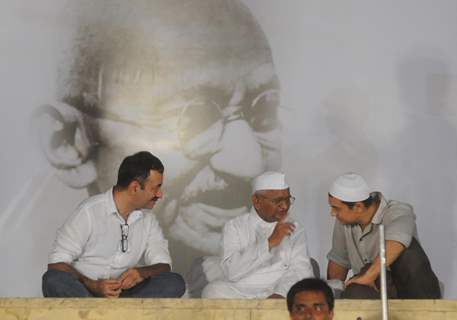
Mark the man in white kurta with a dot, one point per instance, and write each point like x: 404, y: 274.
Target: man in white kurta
x: 263, y: 253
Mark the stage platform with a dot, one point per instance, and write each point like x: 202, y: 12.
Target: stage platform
x: 201, y: 309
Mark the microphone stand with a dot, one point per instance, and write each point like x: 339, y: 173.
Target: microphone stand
x: 382, y: 259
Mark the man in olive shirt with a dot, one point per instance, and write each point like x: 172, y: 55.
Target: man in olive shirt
x: 359, y: 213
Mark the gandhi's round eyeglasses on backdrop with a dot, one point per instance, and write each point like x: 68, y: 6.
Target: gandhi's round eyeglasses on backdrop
x: 197, y: 115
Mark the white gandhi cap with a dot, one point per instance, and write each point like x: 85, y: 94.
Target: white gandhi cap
x: 350, y: 187
x: 270, y: 180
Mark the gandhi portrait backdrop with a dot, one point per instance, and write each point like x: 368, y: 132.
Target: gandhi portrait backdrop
x: 222, y: 90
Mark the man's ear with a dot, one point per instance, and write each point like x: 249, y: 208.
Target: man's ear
x: 133, y: 187
x: 63, y: 138
x: 255, y: 200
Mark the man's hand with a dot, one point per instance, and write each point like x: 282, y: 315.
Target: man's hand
x: 369, y: 276
x: 130, y: 278
x: 362, y: 279
x: 282, y: 230
x: 100, y: 288
x: 104, y: 288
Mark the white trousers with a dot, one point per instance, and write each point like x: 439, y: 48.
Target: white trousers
x: 224, y: 290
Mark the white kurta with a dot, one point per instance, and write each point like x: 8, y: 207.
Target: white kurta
x: 250, y: 269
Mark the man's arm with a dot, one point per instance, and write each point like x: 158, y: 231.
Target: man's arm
x: 335, y: 271
x: 298, y: 261
x: 101, y: 288
x: 133, y: 276
x: 393, y: 251
x: 399, y: 221
x: 281, y: 231
x: 69, y: 244
x: 239, y: 260
x: 338, y: 256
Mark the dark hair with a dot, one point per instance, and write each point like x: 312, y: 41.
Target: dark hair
x: 367, y: 202
x: 310, y: 284
x: 137, y: 167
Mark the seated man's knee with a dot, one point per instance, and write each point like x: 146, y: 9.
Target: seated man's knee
x: 48, y: 281
x: 52, y: 278
x: 358, y: 291
x: 210, y: 290
x: 175, y: 286
x: 162, y: 285
x: 216, y: 290
x: 412, y: 261
x: 56, y: 283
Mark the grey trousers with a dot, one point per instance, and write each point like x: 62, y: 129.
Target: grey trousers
x: 58, y: 283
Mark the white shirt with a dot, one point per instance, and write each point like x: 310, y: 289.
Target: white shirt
x: 251, y: 268
x: 90, y: 240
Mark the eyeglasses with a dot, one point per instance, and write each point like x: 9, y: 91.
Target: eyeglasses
x: 124, y: 237
x: 259, y: 110
x: 277, y: 201
x: 251, y: 99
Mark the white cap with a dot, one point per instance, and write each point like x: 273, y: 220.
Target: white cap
x: 350, y: 187
x: 269, y: 180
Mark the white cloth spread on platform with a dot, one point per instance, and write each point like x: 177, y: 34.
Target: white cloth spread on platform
x: 250, y: 269
x: 90, y: 240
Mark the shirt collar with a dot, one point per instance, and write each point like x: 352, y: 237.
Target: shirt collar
x: 112, y: 209
x: 111, y: 205
x: 259, y: 222
x: 379, y: 215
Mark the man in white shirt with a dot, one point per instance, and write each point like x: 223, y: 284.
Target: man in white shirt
x: 99, y: 248
x: 263, y: 255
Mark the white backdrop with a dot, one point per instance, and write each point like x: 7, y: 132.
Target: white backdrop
x: 366, y: 86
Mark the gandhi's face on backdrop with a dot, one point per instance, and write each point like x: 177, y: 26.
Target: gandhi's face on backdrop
x: 196, y: 88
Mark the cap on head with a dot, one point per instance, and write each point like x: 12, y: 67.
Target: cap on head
x: 350, y: 187
x: 270, y: 180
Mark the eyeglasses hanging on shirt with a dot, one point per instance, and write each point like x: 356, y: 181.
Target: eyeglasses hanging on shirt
x: 124, y: 237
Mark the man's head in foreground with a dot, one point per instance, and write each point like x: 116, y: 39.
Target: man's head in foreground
x: 310, y: 299
x: 271, y: 197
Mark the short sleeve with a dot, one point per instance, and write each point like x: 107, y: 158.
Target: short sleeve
x: 71, y: 238
x: 156, y: 246
x: 338, y: 253
x: 400, y: 224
